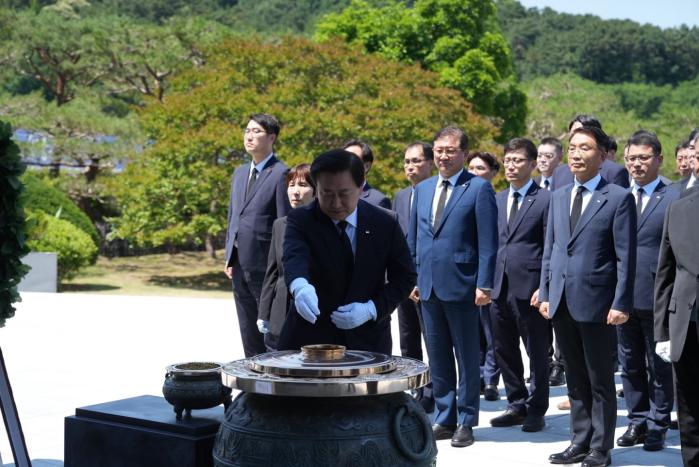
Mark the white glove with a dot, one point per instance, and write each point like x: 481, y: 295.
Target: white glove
x: 263, y: 326
x: 662, y: 349
x: 353, y: 315
x: 305, y: 299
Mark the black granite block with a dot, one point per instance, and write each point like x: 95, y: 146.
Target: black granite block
x: 140, y: 432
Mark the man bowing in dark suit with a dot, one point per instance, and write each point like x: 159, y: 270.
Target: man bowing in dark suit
x: 522, y: 217
x: 258, y: 197
x: 676, y: 323
x: 453, y: 240
x: 590, y: 244
x: 647, y: 380
x: 346, y: 263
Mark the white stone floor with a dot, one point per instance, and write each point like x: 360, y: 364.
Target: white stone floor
x: 70, y: 350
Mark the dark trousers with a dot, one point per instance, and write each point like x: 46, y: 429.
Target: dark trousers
x: 555, y: 354
x: 489, y: 370
x: 409, y: 328
x: 247, y: 288
x: 513, y: 319
x: 590, y: 377
x: 647, y: 380
x: 687, y: 382
x: 451, y: 329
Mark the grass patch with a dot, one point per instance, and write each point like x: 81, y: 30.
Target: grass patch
x: 191, y: 274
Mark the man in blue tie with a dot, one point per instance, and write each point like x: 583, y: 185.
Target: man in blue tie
x: 453, y: 241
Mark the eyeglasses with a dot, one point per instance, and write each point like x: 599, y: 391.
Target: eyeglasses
x: 641, y: 157
x: 254, y: 131
x: 415, y: 161
x: 446, y: 151
x: 514, y: 161
x: 547, y: 155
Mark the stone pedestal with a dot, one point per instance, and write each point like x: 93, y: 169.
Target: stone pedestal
x: 140, y: 432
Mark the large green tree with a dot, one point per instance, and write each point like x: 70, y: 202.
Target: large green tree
x: 176, y: 191
x: 458, y: 39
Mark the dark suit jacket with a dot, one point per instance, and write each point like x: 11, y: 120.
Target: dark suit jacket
x: 680, y: 185
x: 401, y: 206
x: 649, y: 233
x: 520, y: 250
x: 274, y: 301
x: 677, y: 279
x: 610, y: 171
x: 250, y: 221
x: 599, y: 252
x: 458, y: 255
x: 375, y: 197
x: 383, y: 272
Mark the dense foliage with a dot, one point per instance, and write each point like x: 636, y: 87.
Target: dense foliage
x: 12, y: 224
x: 458, y: 39
x: 324, y: 94
x: 546, y: 42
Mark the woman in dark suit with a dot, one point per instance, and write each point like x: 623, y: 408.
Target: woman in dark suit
x: 274, y: 301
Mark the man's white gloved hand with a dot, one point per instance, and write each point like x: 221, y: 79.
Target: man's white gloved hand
x: 263, y: 326
x: 662, y: 349
x: 353, y: 315
x: 305, y: 299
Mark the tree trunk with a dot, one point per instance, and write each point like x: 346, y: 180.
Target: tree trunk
x: 210, y: 245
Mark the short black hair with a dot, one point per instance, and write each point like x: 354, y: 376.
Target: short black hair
x: 596, y: 133
x: 646, y: 138
x: 612, y: 146
x: 336, y: 161
x: 453, y: 130
x: 555, y: 142
x: 367, y: 153
x: 585, y: 120
x: 682, y: 145
x: 693, y: 135
x: 266, y: 121
x: 486, y: 157
x: 522, y: 145
x: 427, y: 152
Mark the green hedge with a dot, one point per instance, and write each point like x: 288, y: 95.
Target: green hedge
x: 74, y: 247
x: 40, y: 196
x: 12, y: 226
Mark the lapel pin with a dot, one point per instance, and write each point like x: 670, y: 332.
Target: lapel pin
x: 367, y: 232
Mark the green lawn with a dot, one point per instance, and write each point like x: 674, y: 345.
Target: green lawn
x: 191, y: 274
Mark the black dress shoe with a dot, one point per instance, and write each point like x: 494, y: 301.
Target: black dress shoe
x: 597, y: 459
x: 655, y: 441
x: 442, y: 431
x: 557, y: 376
x: 509, y: 417
x: 490, y: 393
x: 533, y: 423
x: 634, y: 434
x: 620, y: 393
x: 463, y: 436
x: 674, y: 425
x: 573, y: 453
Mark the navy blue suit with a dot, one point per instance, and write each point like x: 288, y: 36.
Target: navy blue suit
x: 517, y: 275
x: 610, y: 171
x: 248, y: 240
x: 375, y: 197
x: 383, y: 272
x: 452, y: 259
x: 577, y: 270
x: 648, y: 400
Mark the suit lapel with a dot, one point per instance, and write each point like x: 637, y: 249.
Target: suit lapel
x: 363, y: 235
x: 526, y: 204
x: 502, y: 210
x: 426, y: 202
x: 260, y: 179
x: 598, y: 200
x: 653, y: 202
x: 462, y: 184
x: 564, y: 211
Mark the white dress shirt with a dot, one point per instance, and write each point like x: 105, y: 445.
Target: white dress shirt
x: 692, y: 181
x: 543, y: 182
x: 438, y: 191
x: 351, y: 229
x: 259, y: 166
x: 590, y: 186
x: 648, y: 190
x: 522, y: 193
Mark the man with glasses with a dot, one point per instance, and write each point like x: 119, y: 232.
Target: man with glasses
x: 417, y: 164
x: 689, y: 164
x: 647, y: 380
x: 453, y: 241
x: 522, y: 217
x: 549, y: 156
x: 684, y: 160
x: 258, y: 197
x: 590, y: 244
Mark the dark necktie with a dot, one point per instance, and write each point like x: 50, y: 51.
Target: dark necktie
x: 251, y: 183
x: 440, y: 203
x: 347, y: 254
x: 547, y: 184
x: 639, y: 201
x: 577, y: 208
x: 513, y: 210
